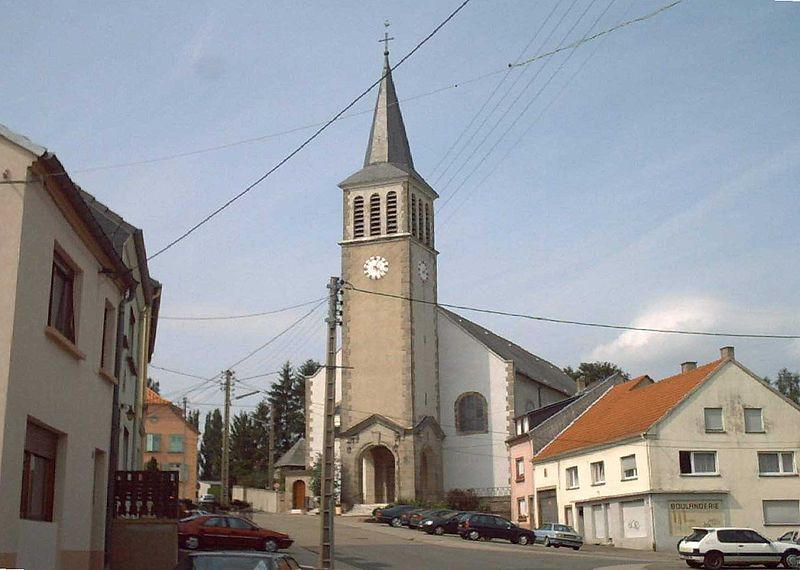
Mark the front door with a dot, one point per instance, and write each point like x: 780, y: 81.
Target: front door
x: 299, y: 495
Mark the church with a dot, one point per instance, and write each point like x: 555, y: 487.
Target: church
x: 425, y: 398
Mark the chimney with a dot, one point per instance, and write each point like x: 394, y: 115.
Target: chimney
x: 688, y: 366
x: 726, y: 353
x: 581, y: 382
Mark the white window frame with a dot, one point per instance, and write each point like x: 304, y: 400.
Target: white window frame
x: 694, y: 472
x: 519, y: 468
x: 522, y: 509
x: 780, y: 472
x: 622, y: 470
x: 598, y: 471
x: 573, y: 480
x: 720, y: 429
x: 761, y: 416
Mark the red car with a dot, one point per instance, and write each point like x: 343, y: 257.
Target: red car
x: 224, y: 531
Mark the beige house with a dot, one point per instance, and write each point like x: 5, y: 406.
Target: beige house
x: 62, y: 283
x: 713, y: 445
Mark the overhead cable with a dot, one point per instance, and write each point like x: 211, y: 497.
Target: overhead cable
x: 245, y: 316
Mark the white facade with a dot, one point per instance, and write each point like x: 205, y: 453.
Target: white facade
x: 660, y: 504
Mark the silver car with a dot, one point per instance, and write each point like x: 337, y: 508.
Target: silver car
x: 554, y: 534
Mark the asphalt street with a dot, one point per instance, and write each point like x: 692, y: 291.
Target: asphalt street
x: 362, y: 545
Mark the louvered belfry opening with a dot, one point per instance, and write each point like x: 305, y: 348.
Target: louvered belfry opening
x: 413, y: 215
x: 391, y: 213
x: 428, y: 232
x: 421, y: 217
x: 375, y: 215
x: 358, y: 217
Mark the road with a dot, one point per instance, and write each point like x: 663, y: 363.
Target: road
x: 367, y: 546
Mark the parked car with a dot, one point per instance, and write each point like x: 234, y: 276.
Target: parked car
x: 239, y: 561
x: 553, y: 534
x: 443, y: 524
x: 391, y: 516
x: 225, y: 531
x: 475, y: 526
x: 208, y: 499
x: 712, y: 548
x: 791, y: 536
x: 416, y: 519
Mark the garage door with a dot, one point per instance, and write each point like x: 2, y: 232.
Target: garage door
x: 548, y: 507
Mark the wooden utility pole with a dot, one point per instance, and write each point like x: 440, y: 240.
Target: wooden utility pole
x: 226, y: 434
x: 327, y: 497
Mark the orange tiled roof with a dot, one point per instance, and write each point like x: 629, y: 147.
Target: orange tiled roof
x: 153, y: 397
x: 626, y: 410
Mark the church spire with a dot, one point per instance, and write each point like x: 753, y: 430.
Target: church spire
x: 387, y: 139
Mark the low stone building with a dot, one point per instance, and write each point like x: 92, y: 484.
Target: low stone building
x: 713, y: 445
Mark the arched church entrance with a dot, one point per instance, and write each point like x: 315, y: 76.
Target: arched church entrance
x: 378, y: 475
x: 299, y: 495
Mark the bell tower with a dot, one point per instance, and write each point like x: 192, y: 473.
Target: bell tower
x: 390, y: 439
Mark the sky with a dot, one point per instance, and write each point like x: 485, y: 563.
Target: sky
x: 647, y: 178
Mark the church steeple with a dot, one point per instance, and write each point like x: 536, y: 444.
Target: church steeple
x: 387, y: 139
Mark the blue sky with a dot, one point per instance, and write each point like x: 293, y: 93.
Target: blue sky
x: 653, y: 181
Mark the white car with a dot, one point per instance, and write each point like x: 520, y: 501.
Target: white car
x: 713, y: 548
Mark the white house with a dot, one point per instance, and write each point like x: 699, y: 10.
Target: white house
x: 714, y: 445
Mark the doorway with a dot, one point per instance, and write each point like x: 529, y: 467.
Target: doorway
x: 378, y: 475
x: 299, y: 495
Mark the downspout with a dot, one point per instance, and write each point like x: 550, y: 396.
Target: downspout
x: 144, y: 347
x: 113, y: 449
x: 650, y: 485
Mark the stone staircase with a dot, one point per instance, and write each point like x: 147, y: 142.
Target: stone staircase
x: 362, y: 510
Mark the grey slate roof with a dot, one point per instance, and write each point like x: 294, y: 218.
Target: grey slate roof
x: 114, y: 226
x: 22, y: 141
x: 295, y: 457
x: 525, y: 363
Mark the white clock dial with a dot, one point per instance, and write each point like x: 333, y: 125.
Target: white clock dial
x: 376, y: 267
x: 422, y: 269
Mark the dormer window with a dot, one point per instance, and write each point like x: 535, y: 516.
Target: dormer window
x: 375, y: 215
x: 358, y: 217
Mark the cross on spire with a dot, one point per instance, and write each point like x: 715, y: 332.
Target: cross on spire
x: 386, y: 39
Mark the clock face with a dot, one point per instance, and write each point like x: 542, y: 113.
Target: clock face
x: 422, y: 270
x: 376, y: 267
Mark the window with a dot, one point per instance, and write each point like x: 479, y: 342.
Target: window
x: 471, y: 413
x: 713, y: 418
x: 428, y: 232
x: 776, y: 463
x: 358, y: 217
x: 61, y: 315
x: 38, y: 473
x: 572, y: 478
x: 753, y: 420
x: 375, y: 215
x: 413, y: 215
x: 598, y: 473
x: 785, y: 511
x: 628, y: 467
x: 215, y: 522
x: 239, y: 523
x: 107, y: 348
x: 153, y: 442
x: 176, y: 443
x: 421, y: 219
x: 522, y: 509
x: 520, y: 468
x: 391, y: 213
x: 698, y: 462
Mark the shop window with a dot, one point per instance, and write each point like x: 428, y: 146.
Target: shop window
x: 38, y: 473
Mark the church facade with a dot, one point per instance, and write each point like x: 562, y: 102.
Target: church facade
x: 425, y: 397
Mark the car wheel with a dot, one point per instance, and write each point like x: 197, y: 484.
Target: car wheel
x: 396, y: 522
x: 523, y: 540
x: 713, y: 561
x: 473, y: 535
x: 438, y: 531
x: 192, y: 543
x: 547, y: 541
x: 791, y: 559
x: 270, y: 545
x: 576, y: 548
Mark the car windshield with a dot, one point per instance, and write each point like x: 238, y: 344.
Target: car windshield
x: 697, y: 535
x: 235, y: 562
x: 564, y: 528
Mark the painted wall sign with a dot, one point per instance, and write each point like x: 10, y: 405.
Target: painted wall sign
x: 683, y: 515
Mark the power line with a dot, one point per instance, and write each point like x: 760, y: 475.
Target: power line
x: 305, y: 143
x: 244, y: 316
x: 178, y: 372
x: 351, y: 287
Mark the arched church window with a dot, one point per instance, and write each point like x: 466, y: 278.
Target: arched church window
x: 391, y: 213
x: 471, y: 413
x: 421, y: 235
x: 375, y: 215
x: 413, y: 215
x: 358, y: 217
x: 428, y: 233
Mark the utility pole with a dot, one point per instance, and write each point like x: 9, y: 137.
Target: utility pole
x: 271, y: 456
x: 327, y: 502
x: 226, y: 434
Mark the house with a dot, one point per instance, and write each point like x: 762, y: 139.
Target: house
x: 172, y: 441
x: 291, y: 467
x: 713, y: 445
x: 63, y: 286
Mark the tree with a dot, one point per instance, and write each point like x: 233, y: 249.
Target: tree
x: 211, y: 447
x: 594, y: 371
x: 281, y: 397
x: 194, y: 419
x: 787, y: 383
x: 243, y: 447
x: 154, y: 385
